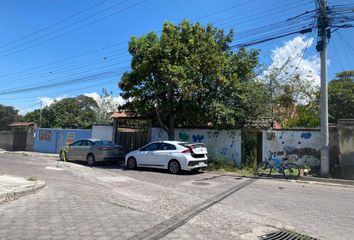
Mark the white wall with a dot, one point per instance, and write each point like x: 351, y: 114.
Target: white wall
x: 102, y: 132
x: 302, y: 147
x: 220, y: 143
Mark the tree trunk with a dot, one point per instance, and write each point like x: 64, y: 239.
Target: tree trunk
x: 171, y: 129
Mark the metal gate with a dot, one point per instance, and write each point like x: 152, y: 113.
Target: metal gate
x: 131, y: 140
x: 20, y: 141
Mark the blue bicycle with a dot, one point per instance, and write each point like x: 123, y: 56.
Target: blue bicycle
x: 289, y: 170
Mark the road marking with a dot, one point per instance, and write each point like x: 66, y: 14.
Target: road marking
x: 162, y: 229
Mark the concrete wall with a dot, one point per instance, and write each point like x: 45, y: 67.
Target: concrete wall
x: 57, y: 138
x: 334, y: 152
x: 220, y: 143
x: 30, y: 139
x: 346, y: 147
x: 102, y: 132
x: 6, y: 140
x: 301, y: 146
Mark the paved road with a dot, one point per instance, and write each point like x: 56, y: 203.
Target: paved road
x: 108, y: 202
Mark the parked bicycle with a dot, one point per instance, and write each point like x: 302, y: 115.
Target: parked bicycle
x: 289, y: 170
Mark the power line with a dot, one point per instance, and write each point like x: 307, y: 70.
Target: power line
x: 70, y: 82
x: 25, y: 99
x: 54, y: 24
x: 124, y: 42
x: 16, y: 89
x: 273, y: 29
x: 336, y: 53
x: 65, y: 59
x: 68, y: 32
x: 71, y: 68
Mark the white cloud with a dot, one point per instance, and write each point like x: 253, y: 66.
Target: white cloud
x: 116, y: 100
x: 47, y: 101
x: 23, y: 111
x: 101, y: 101
x: 291, y: 59
x: 93, y: 95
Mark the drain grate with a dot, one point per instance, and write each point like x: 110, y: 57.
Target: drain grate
x: 286, y: 235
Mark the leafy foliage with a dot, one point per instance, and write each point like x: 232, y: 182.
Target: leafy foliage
x: 8, y: 115
x: 74, y: 113
x: 341, y: 96
x: 106, y: 106
x: 306, y: 115
x: 190, y: 76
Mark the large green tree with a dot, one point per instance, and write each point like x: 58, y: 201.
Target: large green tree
x: 78, y: 112
x: 341, y: 96
x: 189, y: 75
x: 48, y: 117
x: 8, y: 115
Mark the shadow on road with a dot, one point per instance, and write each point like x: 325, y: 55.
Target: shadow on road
x: 120, y: 165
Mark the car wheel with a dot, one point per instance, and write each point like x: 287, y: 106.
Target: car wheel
x: 131, y: 163
x: 174, y: 167
x: 91, y: 161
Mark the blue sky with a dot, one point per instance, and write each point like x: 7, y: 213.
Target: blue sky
x: 98, y: 37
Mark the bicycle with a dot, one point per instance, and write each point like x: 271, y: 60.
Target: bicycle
x: 289, y: 170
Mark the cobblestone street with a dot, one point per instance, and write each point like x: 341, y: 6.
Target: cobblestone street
x: 108, y: 202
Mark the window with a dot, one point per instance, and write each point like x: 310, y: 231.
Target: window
x: 151, y: 147
x: 86, y: 143
x: 44, y: 135
x: 104, y: 143
x: 77, y: 144
x: 166, y: 146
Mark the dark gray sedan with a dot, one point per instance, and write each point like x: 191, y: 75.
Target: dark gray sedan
x: 92, y: 151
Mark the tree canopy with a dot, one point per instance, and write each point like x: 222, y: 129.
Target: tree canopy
x: 78, y: 112
x: 8, y: 115
x: 189, y: 75
x: 341, y: 96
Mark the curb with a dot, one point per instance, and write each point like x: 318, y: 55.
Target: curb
x: 10, y: 196
x: 31, y: 154
x: 306, y: 180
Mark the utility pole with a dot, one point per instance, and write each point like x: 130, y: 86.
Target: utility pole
x: 323, y: 34
x: 40, y: 115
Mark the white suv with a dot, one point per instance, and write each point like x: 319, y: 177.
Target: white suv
x: 172, y: 155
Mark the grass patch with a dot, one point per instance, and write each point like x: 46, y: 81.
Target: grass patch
x: 31, y: 178
x: 223, y: 165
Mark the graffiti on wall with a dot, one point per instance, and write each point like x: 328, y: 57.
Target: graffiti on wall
x: 44, y: 135
x: 220, y: 143
x: 301, y: 147
x: 183, y: 136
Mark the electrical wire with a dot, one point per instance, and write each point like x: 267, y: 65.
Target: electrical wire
x: 73, y: 30
x: 104, y: 48
x: 54, y: 24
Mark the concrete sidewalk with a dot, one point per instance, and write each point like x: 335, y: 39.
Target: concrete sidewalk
x: 12, y: 187
x: 30, y: 153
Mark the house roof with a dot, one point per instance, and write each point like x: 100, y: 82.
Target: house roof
x: 23, y: 124
x: 125, y: 115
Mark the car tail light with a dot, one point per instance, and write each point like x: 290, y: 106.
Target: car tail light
x: 186, y: 151
x: 104, y: 148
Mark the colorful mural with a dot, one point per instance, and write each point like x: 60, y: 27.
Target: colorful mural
x: 301, y: 147
x: 220, y: 143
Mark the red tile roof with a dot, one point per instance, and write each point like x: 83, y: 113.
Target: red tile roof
x: 23, y: 124
x: 125, y: 115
